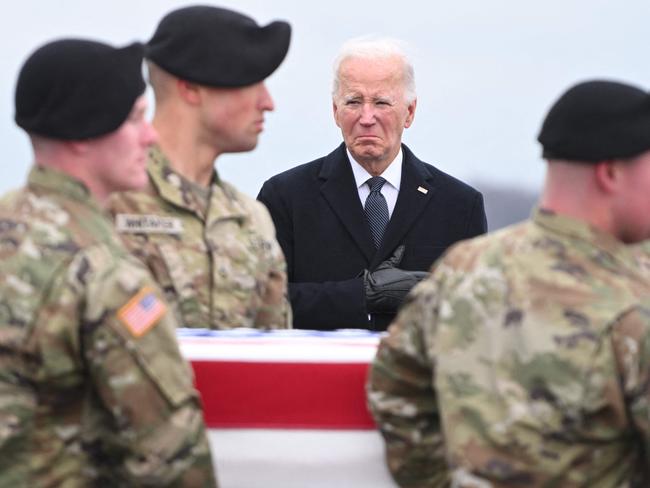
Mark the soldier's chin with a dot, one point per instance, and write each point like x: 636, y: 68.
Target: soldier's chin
x: 137, y: 183
x: 244, y: 146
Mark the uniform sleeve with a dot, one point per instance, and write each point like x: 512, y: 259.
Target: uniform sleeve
x: 144, y: 425
x: 274, y: 311
x: 401, y: 395
x: 631, y: 343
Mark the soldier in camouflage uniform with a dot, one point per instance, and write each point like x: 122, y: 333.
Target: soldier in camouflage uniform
x: 524, y: 361
x: 93, y: 389
x: 211, y: 248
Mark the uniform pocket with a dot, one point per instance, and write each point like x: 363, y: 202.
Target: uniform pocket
x: 186, y: 289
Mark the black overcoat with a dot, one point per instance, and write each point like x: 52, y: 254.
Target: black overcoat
x: 327, y: 243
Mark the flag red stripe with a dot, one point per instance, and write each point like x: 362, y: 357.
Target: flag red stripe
x: 283, y: 395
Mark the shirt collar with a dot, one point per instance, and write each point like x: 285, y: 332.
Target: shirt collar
x: 392, y: 174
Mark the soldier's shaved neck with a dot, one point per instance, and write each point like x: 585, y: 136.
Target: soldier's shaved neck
x: 571, y: 189
x: 179, y: 129
x: 161, y: 82
x: 194, y: 161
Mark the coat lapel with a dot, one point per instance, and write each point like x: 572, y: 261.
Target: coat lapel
x: 340, y: 191
x: 411, y: 201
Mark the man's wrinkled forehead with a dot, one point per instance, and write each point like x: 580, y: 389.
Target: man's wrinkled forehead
x: 370, y: 77
x: 358, y: 66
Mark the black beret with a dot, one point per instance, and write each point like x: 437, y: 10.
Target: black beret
x: 217, y: 47
x: 74, y: 89
x: 597, y: 120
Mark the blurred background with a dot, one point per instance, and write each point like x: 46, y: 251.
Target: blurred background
x: 486, y: 73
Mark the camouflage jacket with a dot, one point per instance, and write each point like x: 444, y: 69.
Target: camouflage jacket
x: 93, y: 389
x: 220, y: 266
x: 524, y: 361
x: 642, y: 253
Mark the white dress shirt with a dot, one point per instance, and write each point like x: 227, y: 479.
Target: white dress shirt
x: 392, y: 174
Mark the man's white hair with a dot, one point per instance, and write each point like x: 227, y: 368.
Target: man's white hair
x: 376, y: 48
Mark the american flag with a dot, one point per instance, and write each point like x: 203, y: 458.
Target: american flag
x: 142, y: 312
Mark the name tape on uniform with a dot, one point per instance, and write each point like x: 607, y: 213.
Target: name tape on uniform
x: 142, y: 312
x: 147, y: 223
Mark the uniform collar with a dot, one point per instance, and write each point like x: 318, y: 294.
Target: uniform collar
x: 171, y: 185
x: 59, y: 182
x: 176, y: 189
x: 580, y: 230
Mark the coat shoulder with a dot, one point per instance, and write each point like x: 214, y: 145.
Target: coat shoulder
x: 452, y: 184
x: 439, y: 179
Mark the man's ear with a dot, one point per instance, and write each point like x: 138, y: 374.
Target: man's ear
x: 335, y: 112
x: 411, y: 113
x: 608, y: 175
x: 188, y: 91
x: 77, y: 147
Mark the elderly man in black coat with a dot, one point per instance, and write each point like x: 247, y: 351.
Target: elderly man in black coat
x: 360, y: 226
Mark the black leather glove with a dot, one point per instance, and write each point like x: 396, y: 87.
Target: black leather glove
x: 387, y: 285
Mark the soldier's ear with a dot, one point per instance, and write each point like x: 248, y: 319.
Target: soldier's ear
x: 609, y: 176
x: 77, y: 147
x: 188, y: 91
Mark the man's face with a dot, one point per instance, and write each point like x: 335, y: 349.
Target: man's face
x: 118, y: 161
x: 633, y: 206
x: 370, y: 108
x: 232, y: 118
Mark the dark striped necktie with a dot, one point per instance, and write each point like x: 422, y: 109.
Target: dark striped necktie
x: 376, y: 209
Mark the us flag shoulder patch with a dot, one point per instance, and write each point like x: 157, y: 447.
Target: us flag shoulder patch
x: 142, y: 312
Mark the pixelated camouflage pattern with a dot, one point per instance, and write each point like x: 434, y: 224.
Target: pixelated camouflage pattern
x: 82, y: 401
x: 226, y: 269
x: 524, y: 361
x: 641, y: 252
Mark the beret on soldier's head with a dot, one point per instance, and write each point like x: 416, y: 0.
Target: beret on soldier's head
x: 217, y: 47
x: 597, y: 120
x: 74, y: 89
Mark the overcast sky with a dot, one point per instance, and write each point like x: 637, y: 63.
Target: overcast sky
x: 486, y: 72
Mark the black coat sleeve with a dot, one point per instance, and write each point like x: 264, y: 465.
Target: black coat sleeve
x: 477, y: 222
x: 321, y: 306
